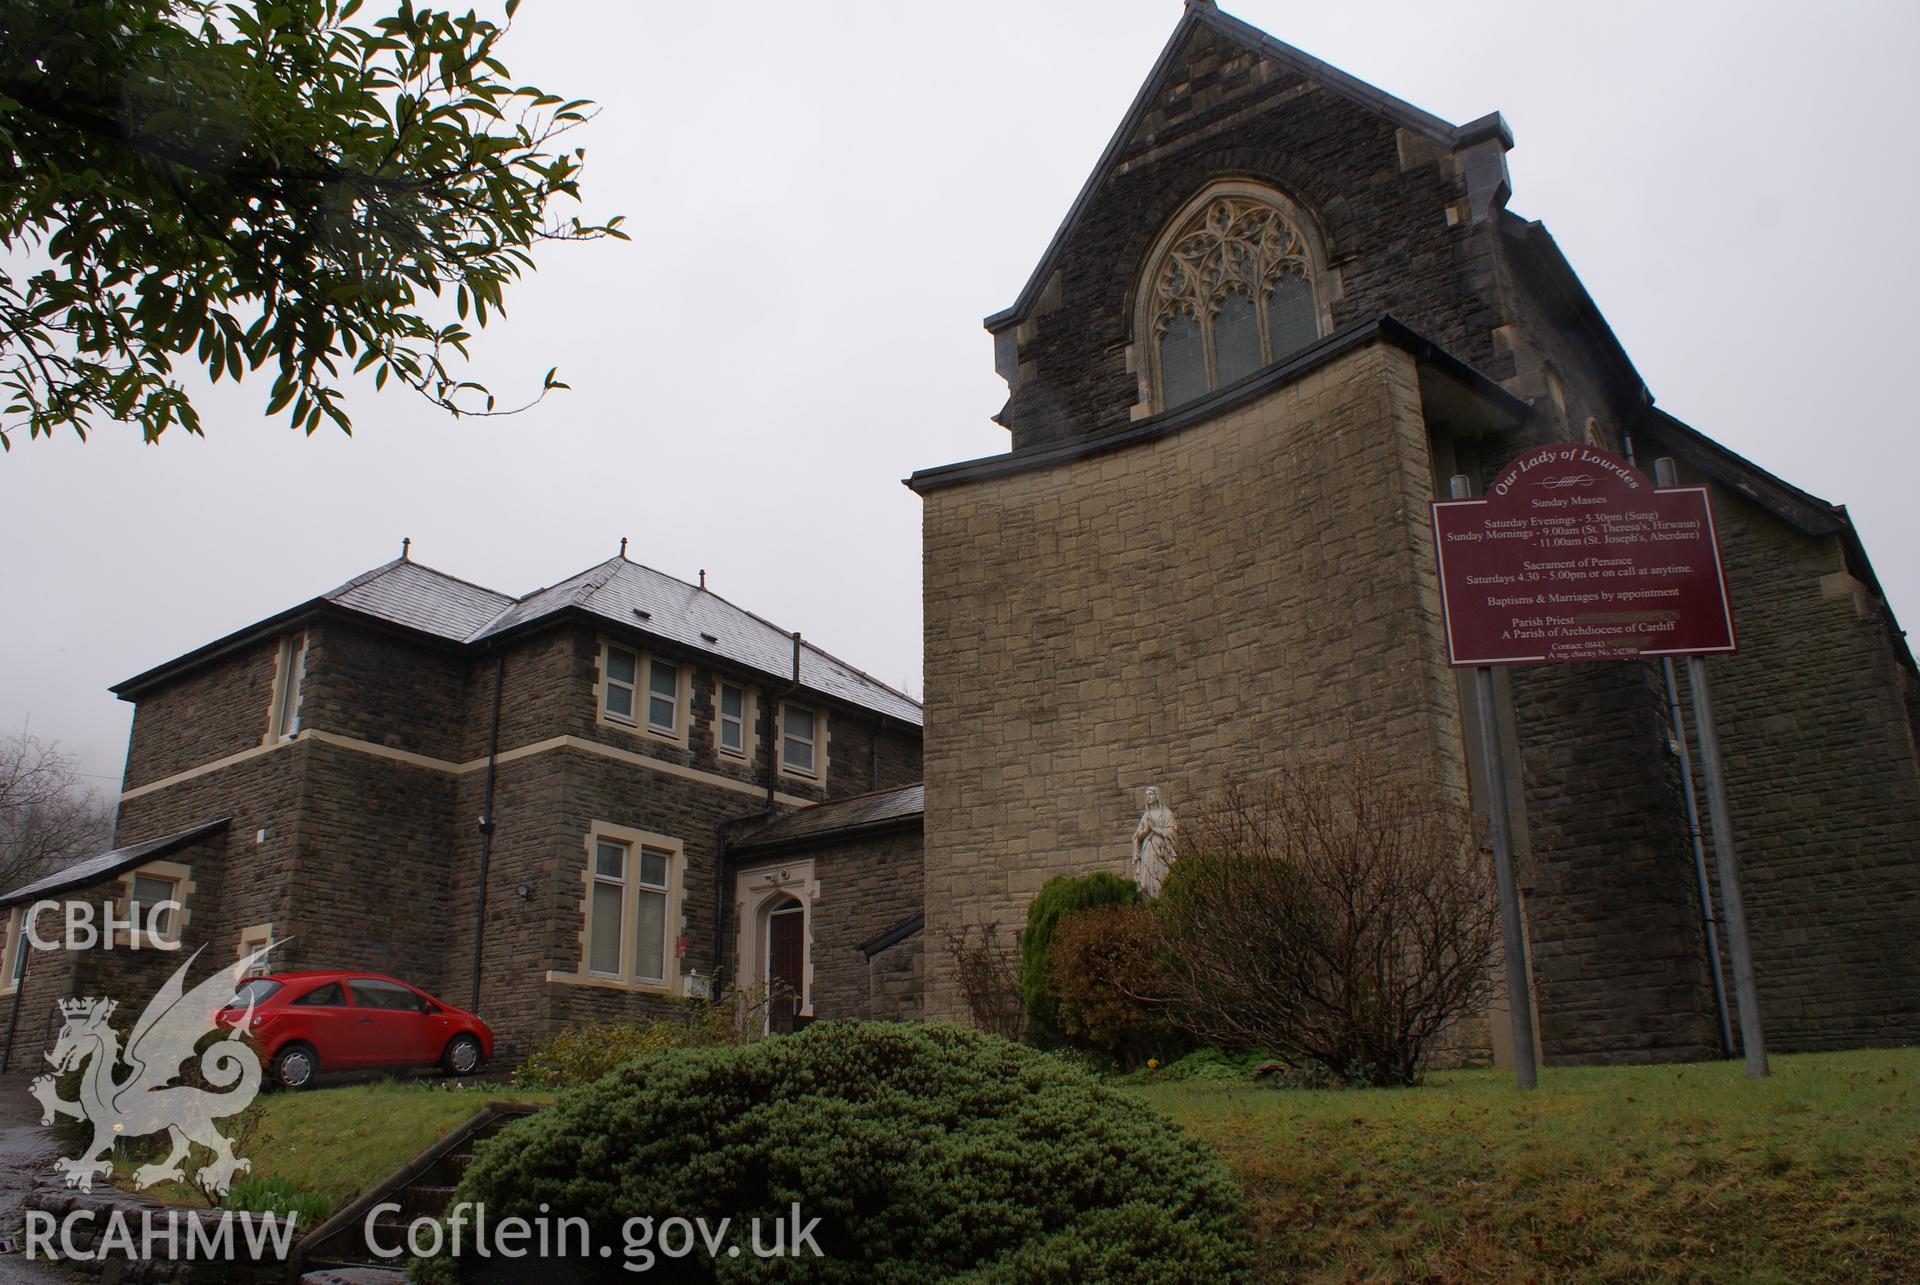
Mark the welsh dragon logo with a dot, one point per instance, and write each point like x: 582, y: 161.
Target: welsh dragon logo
x: 144, y: 1099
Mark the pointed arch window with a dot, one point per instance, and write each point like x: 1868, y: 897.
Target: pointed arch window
x: 1233, y: 287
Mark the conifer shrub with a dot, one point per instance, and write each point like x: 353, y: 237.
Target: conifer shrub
x: 1059, y: 897
x: 926, y: 1152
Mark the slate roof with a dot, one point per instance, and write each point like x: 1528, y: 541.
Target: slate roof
x: 419, y: 597
x: 623, y: 593
x: 639, y: 597
x: 884, y: 808
x: 93, y: 870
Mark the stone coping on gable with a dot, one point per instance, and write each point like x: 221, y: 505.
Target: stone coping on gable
x: 1380, y: 328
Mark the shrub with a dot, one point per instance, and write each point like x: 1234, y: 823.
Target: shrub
x: 989, y: 976
x: 279, y: 1196
x: 582, y: 1054
x: 926, y: 1152
x: 1335, y: 916
x: 1059, y: 897
x: 1110, y: 981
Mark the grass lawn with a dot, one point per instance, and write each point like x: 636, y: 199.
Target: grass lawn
x: 1671, y: 1172
x: 339, y: 1141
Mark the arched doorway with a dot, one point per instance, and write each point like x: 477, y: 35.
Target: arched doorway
x: 775, y: 905
x: 786, y: 956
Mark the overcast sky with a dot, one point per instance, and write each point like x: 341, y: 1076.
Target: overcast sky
x: 826, y: 198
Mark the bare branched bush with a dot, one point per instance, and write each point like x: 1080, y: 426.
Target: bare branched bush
x: 987, y: 964
x: 1332, y: 915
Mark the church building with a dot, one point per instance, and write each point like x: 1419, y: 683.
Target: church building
x: 1284, y: 310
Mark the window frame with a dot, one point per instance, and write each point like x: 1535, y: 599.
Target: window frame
x: 252, y: 937
x: 598, y: 879
x: 673, y: 729
x: 642, y: 694
x: 133, y: 901
x: 608, y: 683
x: 13, y: 946
x: 749, y: 719
x: 818, y: 743
x: 289, y: 688
x: 181, y: 877
x: 1144, y: 355
x: 633, y: 885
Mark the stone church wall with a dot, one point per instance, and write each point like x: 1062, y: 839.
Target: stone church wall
x: 1178, y: 613
x: 1392, y: 206
x: 1823, y: 785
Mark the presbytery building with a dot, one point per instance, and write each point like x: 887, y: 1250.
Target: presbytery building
x: 556, y: 809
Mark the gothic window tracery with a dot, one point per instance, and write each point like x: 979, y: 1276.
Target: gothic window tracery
x: 1233, y: 291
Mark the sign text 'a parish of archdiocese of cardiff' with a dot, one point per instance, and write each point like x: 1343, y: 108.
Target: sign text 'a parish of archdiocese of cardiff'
x: 1573, y: 554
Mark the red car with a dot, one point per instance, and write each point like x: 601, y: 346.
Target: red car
x: 355, y: 1021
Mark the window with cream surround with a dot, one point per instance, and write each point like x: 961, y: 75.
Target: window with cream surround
x: 1234, y: 284
x: 631, y: 912
x: 146, y: 893
x: 730, y: 720
x: 252, y: 938
x: 148, y: 886
x: 13, y: 950
x: 643, y: 692
x: 619, y: 670
x: 663, y: 697
x: 289, y: 673
x: 803, y: 741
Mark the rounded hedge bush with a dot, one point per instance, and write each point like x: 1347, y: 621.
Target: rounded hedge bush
x: 1059, y: 897
x: 927, y: 1152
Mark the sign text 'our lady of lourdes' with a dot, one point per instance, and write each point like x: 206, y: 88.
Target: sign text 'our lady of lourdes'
x: 1573, y: 554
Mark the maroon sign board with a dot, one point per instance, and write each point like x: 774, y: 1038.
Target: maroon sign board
x: 1573, y: 554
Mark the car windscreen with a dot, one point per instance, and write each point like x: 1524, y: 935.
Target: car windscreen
x: 254, y: 991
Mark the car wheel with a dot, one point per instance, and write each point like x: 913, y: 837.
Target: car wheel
x: 462, y: 1056
x: 295, y: 1065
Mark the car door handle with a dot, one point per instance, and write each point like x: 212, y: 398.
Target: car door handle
x: 366, y: 1019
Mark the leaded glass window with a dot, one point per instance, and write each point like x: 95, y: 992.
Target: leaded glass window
x: 1233, y: 292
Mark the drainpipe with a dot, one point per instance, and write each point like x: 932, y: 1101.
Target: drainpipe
x: 486, y: 828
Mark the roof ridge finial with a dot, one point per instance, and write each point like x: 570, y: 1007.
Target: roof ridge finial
x: 623, y: 547
x: 406, y: 548
x: 703, y: 579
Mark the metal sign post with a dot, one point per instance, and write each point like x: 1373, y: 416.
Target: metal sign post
x: 1526, y: 1072
x: 1726, y: 863
x: 1574, y: 555
x: 1700, y: 883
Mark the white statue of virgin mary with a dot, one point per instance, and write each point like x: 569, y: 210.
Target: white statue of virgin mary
x: 1153, y: 844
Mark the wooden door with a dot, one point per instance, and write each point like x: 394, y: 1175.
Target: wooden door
x: 786, y: 965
